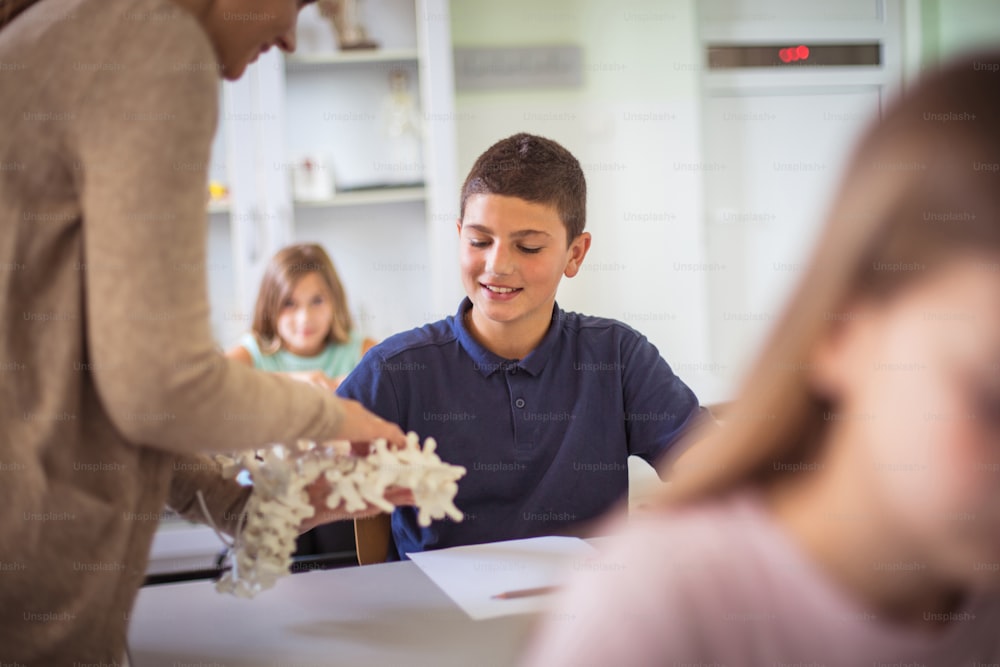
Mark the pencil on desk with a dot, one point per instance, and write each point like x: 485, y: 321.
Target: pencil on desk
x: 525, y: 593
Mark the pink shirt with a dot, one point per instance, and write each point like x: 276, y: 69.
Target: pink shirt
x: 723, y: 584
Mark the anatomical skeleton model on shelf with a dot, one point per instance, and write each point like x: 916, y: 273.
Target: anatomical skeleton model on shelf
x: 345, y: 15
x: 403, y: 159
x: 262, y: 547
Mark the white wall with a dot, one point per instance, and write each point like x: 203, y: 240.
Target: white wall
x: 951, y: 27
x: 634, y: 126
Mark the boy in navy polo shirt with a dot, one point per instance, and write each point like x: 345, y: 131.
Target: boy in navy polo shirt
x: 542, y: 406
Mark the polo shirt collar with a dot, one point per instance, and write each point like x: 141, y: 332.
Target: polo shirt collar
x: 488, y: 363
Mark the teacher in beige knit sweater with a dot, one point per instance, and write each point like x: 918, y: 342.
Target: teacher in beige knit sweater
x: 110, y: 381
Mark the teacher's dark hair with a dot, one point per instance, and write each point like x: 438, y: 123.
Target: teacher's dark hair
x: 9, y: 9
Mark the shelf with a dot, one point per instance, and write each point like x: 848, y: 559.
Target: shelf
x: 387, y: 195
x: 361, y: 56
x: 218, y: 207
x: 360, y: 197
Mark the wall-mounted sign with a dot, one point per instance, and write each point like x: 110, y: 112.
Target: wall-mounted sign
x: 518, y: 67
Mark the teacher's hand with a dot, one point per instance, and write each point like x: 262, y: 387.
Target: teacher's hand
x: 320, y: 489
x: 359, y: 425
x: 316, y: 378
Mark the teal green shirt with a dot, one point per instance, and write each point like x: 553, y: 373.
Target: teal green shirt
x: 335, y: 359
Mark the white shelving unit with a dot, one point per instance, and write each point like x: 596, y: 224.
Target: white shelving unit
x: 390, y: 231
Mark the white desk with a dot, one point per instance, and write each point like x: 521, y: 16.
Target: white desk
x: 388, y: 614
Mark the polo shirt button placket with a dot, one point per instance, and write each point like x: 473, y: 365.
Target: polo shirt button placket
x: 519, y: 403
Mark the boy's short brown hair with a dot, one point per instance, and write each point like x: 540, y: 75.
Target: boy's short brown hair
x: 534, y: 169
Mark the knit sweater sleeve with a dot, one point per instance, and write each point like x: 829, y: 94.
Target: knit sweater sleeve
x: 143, y: 148
x: 225, y: 499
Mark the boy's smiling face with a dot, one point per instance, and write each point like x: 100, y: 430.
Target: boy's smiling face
x: 513, y: 253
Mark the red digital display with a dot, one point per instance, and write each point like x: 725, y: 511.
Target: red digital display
x: 751, y: 56
x: 793, y: 54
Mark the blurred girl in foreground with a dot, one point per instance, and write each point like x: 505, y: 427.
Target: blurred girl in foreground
x: 849, y: 511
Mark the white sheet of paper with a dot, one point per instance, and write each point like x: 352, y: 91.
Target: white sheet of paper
x: 472, y: 575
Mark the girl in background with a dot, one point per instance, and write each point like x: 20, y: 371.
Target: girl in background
x: 301, y: 325
x: 302, y: 328
x: 848, y: 512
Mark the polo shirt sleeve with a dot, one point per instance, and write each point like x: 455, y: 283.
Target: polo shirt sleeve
x: 658, y: 405
x: 370, y: 383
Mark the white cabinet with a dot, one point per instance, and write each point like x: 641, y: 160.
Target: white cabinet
x: 775, y: 141
x: 389, y: 221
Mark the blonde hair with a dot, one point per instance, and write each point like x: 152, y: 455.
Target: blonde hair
x: 282, y: 274
x: 922, y: 162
